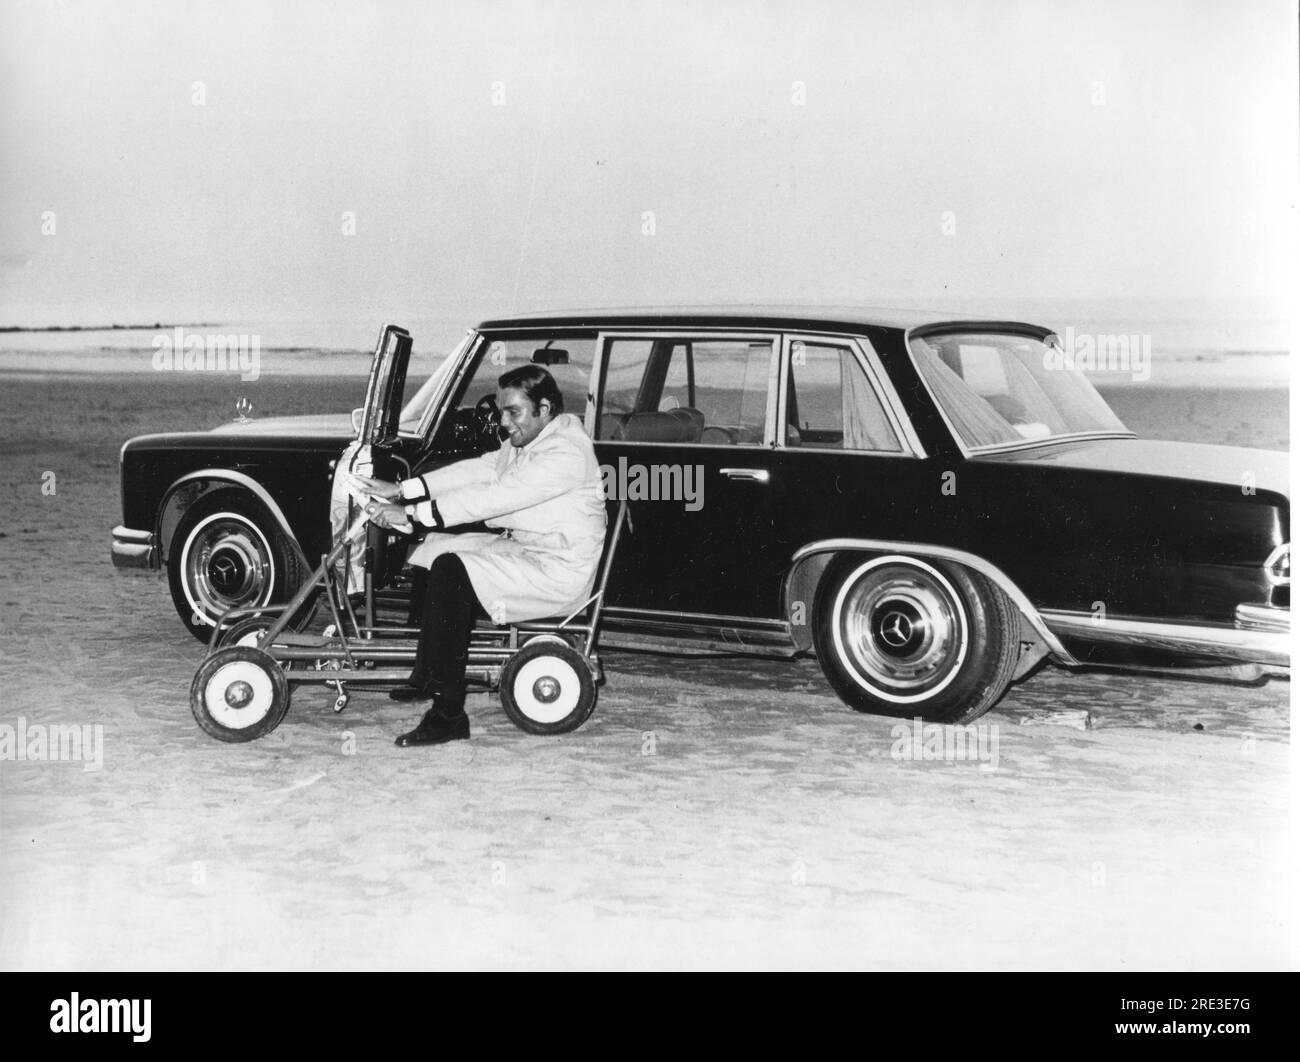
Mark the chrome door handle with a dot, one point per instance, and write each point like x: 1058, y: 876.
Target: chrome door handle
x: 751, y: 475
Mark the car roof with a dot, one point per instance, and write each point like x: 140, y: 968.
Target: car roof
x: 814, y: 317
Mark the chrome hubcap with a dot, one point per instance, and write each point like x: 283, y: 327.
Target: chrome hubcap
x: 900, y: 629
x: 227, y: 564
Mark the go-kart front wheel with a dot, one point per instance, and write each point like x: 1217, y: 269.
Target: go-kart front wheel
x: 547, y: 688
x: 239, y: 694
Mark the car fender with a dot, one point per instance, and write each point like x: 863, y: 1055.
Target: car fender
x: 174, y: 503
x: 809, y: 563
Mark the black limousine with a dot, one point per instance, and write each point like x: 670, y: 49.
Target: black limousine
x: 932, y: 507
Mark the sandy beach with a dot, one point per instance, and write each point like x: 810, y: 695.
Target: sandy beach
x: 717, y: 812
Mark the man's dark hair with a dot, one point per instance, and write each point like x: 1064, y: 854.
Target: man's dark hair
x: 536, y: 383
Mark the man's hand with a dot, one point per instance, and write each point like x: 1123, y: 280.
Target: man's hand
x: 378, y: 487
x: 386, y: 514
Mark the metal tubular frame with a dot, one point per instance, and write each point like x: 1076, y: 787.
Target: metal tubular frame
x: 368, y: 654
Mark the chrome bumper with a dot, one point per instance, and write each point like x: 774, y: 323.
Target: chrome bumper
x: 1267, y: 618
x: 134, y: 549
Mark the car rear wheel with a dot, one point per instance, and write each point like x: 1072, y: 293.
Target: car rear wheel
x: 907, y: 637
x: 227, y: 553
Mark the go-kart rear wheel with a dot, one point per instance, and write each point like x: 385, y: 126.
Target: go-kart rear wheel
x: 547, y: 688
x: 248, y: 631
x: 239, y: 694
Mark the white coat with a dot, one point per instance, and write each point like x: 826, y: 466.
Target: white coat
x: 548, y: 495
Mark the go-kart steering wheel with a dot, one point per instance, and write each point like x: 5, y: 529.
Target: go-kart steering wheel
x: 488, y: 415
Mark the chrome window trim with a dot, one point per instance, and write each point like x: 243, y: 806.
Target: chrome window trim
x: 468, y: 358
x: 723, y: 329
x: 893, y: 401
x: 593, y: 382
x: 438, y: 407
x: 996, y: 448
x: 1047, y: 440
x: 439, y: 396
x: 727, y: 447
x: 865, y: 355
x: 772, y: 339
x: 772, y: 417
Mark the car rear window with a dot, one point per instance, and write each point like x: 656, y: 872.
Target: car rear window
x: 998, y: 389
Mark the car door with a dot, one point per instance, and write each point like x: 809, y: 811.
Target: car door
x: 376, y: 449
x: 847, y: 463
x: 683, y: 429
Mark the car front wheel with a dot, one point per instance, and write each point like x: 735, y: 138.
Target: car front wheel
x: 907, y: 637
x: 226, y: 554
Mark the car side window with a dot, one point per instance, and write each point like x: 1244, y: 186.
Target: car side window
x: 831, y: 404
x: 567, y: 358
x: 708, y: 390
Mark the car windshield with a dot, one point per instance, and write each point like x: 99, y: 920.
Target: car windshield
x: 418, y: 405
x: 999, y: 388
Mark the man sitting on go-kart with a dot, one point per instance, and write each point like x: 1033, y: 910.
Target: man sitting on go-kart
x: 543, y: 494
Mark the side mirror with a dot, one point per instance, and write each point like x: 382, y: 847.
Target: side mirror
x: 550, y: 356
x: 358, y: 415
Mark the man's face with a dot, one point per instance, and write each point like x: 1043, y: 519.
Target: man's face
x: 518, y: 418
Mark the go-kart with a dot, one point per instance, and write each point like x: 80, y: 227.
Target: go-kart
x: 547, y: 671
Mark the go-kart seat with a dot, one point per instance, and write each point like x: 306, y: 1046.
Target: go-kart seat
x: 588, y: 613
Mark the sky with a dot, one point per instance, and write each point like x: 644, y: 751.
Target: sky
x: 187, y: 161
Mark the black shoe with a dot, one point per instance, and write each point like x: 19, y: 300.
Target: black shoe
x: 436, y: 728
x: 407, y: 692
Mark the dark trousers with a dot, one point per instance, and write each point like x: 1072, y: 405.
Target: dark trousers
x: 445, y: 608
